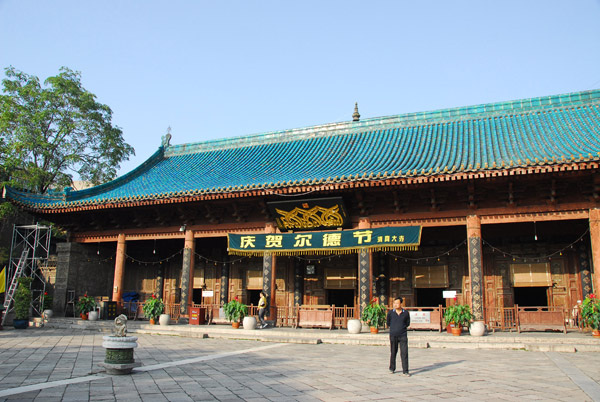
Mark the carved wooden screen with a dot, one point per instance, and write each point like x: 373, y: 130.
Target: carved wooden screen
x: 430, y: 276
x: 254, y: 280
x: 531, y: 275
x: 198, y: 277
x: 340, y: 278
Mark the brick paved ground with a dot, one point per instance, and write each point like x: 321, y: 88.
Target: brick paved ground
x: 191, y: 369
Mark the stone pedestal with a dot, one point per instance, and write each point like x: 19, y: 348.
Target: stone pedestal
x: 119, y: 354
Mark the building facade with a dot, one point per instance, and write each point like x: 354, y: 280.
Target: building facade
x: 496, y: 203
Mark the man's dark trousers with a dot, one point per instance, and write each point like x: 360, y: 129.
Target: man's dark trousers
x: 403, y: 341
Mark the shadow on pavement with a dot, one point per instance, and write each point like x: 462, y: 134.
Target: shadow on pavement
x: 434, y: 366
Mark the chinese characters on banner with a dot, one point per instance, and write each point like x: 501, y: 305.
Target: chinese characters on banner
x: 388, y: 238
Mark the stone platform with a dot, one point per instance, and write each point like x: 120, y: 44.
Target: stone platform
x: 573, y: 341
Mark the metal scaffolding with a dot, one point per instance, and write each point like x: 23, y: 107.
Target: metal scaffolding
x: 35, y: 239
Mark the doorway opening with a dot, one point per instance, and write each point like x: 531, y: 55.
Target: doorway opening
x: 253, y: 297
x: 430, y: 297
x: 197, y: 296
x: 531, y: 296
x: 340, y: 297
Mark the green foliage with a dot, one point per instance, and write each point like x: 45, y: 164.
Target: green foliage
x: 234, y: 310
x: 48, y: 302
x: 7, y: 210
x: 459, y: 314
x: 23, y: 298
x: 153, y: 307
x: 374, y: 314
x: 51, y: 130
x: 3, y: 256
x: 590, y: 312
x: 85, y: 304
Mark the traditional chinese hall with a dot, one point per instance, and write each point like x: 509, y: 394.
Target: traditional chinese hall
x: 494, y: 205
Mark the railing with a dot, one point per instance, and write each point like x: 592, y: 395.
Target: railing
x: 534, y: 318
x: 341, y: 315
x: 134, y: 310
x: 501, y: 318
x: 541, y: 318
x: 174, y: 310
x: 287, y: 316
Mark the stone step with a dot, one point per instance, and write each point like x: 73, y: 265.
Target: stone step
x: 543, y: 342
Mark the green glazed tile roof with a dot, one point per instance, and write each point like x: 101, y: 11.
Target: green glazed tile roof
x: 532, y: 132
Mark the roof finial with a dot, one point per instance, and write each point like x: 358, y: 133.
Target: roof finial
x: 355, y: 115
x: 166, y: 140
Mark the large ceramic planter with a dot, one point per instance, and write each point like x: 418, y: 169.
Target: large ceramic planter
x: 477, y: 328
x: 164, y: 319
x: 249, y: 323
x: 20, y: 324
x: 47, y: 314
x: 93, y: 315
x: 354, y: 326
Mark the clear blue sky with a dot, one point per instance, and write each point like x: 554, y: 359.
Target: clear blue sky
x: 230, y: 68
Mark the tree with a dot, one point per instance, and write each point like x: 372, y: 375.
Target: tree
x: 49, y: 133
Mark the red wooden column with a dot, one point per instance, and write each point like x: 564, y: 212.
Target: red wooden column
x: 475, y: 265
x: 595, y: 240
x: 119, y: 268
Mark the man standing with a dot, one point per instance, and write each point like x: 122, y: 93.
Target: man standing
x: 398, y: 320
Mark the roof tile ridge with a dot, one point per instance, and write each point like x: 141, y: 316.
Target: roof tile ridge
x: 494, y: 109
x: 92, y: 191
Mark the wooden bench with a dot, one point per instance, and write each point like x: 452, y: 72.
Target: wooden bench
x: 540, y: 319
x: 319, y: 316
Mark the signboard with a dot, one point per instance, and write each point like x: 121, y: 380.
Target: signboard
x: 319, y: 213
x: 420, y: 317
x: 341, y: 241
x: 208, y: 293
x: 449, y: 294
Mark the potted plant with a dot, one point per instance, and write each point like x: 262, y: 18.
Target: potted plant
x: 22, y: 303
x: 85, y: 304
x: 153, y: 308
x: 47, y: 306
x: 235, y: 311
x: 590, y: 314
x: 374, y: 315
x: 458, y: 315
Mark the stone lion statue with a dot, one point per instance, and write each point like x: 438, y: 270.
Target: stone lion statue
x: 120, y: 326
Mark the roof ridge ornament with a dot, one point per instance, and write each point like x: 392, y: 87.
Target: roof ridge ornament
x: 166, y: 139
x: 355, y: 115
